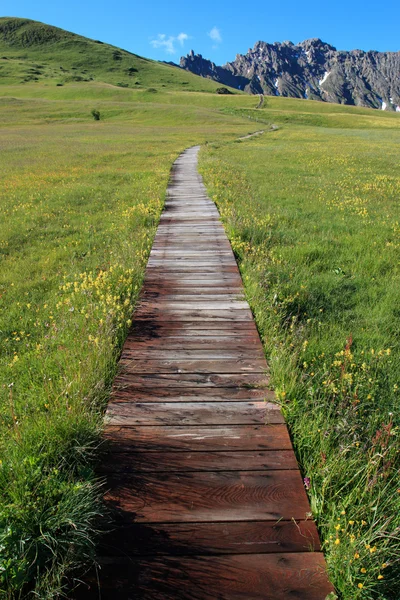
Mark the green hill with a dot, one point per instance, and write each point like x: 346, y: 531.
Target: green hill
x: 33, y: 52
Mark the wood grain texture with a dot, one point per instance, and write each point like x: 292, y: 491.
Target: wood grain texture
x: 209, y: 496
x: 187, y: 365
x: 187, y: 413
x: 202, y: 481
x: 168, y: 462
x: 191, y: 394
x: 199, y: 437
x: 128, y: 381
x: 234, y: 577
x: 236, y: 537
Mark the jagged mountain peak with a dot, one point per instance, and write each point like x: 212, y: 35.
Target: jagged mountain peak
x: 312, y: 69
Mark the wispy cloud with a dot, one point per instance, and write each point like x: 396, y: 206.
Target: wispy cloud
x: 215, y: 35
x: 182, y: 37
x: 168, y: 42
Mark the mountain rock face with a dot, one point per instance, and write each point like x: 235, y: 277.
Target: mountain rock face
x: 311, y: 69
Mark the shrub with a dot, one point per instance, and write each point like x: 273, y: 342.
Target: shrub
x: 223, y: 90
x: 95, y: 114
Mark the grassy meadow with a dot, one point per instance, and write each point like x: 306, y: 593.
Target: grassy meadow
x: 312, y: 213
x: 313, y: 217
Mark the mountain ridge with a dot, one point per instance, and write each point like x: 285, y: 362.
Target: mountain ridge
x: 312, y: 69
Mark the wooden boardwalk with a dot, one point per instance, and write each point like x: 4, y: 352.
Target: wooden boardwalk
x: 207, y: 495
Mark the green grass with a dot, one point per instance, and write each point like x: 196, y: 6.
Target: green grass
x: 313, y: 217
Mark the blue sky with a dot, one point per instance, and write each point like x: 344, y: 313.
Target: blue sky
x: 165, y: 30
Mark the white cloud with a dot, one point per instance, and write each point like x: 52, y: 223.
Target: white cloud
x: 168, y: 42
x: 215, y: 35
x: 182, y: 37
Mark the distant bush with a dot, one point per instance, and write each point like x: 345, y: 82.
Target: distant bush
x: 152, y: 90
x: 131, y: 71
x: 95, y: 114
x: 223, y: 90
x: 59, y: 84
x: 122, y: 84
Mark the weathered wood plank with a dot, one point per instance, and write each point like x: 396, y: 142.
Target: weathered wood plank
x: 202, y: 413
x: 192, y: 394
x: 250, y: 346
x: 209, y: 496
x: 191, y: 314
x: 152, y: 296
x: 205, y: 304
x: 183, y: 354
x: 188, y: 539
x: 126, y: 380
x: 167, y: 462
x: 137, y: 352
x: 233, y: 577
x: 190, y: 328
x: 198, y: 438
x: 187, y: 365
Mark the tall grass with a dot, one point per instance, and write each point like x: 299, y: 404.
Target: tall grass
x: 313, y: 218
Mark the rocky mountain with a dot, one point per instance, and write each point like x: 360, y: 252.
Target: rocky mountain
x: 311, y: 69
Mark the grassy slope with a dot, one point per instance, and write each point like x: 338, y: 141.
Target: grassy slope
x: 32, y: 52
x: 313, y: 216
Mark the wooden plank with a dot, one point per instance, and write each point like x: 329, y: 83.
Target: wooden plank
x: 182, y: 353
x: 198, y: 438
x: 249, y: 345
x: 234, y: 577
x: 210, y: 253
x: 179, y: 279
x: 153, y: 297
x: 205, y: 304
x: 188, y: 539
x: 202, y: 413
x: 206, y: 326
x: 208, y: 496
x: 137, y: 352
x: 128, y: 380
x: 168, y: 462
x: 192, y: 394
x: 191, y: 314
x: 199, y: 366
x: 164, y: 288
